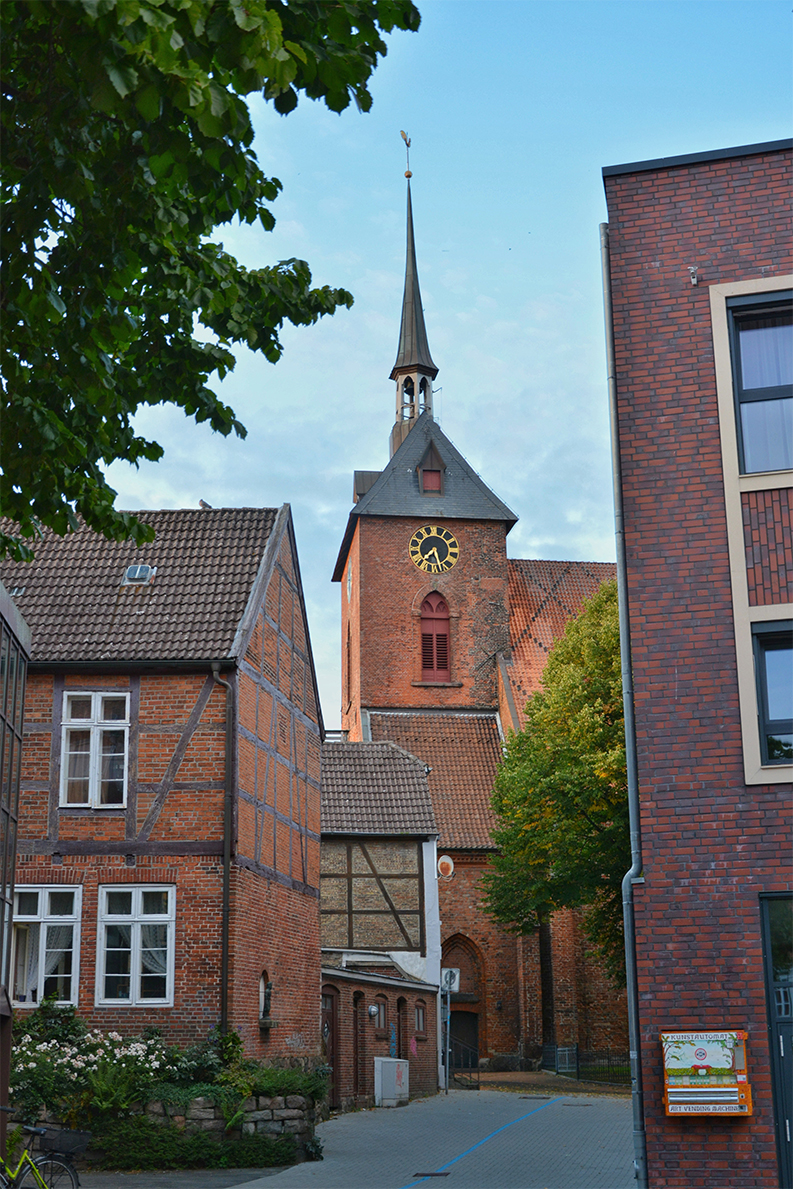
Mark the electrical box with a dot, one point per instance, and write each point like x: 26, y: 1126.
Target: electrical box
x: 705, y: 1073
x: 391, y: 1081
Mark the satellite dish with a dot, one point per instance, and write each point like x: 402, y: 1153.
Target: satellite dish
x: 446, y: 866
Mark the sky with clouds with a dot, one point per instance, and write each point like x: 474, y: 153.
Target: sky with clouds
x: 513, y: 107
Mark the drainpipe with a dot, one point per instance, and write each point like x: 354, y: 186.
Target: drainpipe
x: 634, y: 875
x: 227, y: 821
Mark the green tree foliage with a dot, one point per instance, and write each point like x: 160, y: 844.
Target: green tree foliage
x: 126, y: 143
x: 561, y: 793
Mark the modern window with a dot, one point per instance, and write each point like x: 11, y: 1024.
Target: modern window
x: 761, y: 331
x: 773, y: 655
x: 421, y: 1018
x: 136, y: 945
x: 95, y: 749
x: 435, y: 662
x: 46, y: 944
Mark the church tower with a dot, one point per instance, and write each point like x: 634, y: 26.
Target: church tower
x: 425, y: 618
x: 414, y: 370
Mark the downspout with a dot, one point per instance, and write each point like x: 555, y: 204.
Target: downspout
x: 228, y: 793
x: 634, y: 875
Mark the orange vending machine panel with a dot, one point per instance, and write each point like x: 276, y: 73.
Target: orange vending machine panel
x: 705, y: 1073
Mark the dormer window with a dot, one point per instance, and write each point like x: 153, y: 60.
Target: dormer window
x: 431, y: 473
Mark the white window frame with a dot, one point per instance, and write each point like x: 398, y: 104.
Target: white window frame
x: 136, y: 918
x: 735, y: 484
x: 44, y: 920
x: 95, y: 724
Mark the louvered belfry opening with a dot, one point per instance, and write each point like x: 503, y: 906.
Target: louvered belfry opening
x: 435, y: 665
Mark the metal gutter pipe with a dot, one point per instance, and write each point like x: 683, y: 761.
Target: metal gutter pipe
x: 227, y: 822
x: 634, y: 874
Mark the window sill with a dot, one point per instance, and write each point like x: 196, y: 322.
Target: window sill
x: 94, y: 808
x: 438, y: 684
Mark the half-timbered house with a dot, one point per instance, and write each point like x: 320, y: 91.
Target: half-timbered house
x: 380, y: 924
x: 169, y: 822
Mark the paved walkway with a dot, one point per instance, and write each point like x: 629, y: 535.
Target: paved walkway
x: 480, y: 1140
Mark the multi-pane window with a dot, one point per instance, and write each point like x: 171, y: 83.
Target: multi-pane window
x: 95, y: 746
x: 435, y: 664
x: 46, y: 945
x: 762, y: 350
x: 136, y: 944
x: 773, y: 653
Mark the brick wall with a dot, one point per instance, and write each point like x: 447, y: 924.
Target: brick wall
x: 473, y: 942
x: 769, y: 546
x: 388, y: 623
x: 359, y: 1040
x: 710, y: 843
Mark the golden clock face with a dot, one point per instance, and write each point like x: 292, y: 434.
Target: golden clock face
x: 433, y: 549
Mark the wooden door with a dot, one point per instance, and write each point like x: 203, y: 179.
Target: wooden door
x: 330, y: 1031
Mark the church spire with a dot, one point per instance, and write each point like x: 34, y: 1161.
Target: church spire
x: 414, y: 369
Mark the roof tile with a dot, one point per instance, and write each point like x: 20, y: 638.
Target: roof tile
x: 543, y: 596
x: 463, y: 750
x: 374, y: 788
x: 207, y: 561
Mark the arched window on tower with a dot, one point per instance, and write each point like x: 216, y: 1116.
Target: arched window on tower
x: 435, y: 659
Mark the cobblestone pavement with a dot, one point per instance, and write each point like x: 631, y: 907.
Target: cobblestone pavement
x: 481, y: 1140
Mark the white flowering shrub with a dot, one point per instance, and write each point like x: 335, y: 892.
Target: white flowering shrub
x: 96, y: 1073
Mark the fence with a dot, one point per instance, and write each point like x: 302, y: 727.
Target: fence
x: 611, y: 1066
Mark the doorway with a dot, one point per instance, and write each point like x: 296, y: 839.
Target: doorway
x: 464, y: 1037
x: 777, y: 911
x: 329, y: 1025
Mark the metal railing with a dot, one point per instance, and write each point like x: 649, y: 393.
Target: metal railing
x: 464, y: 1064
x: 610, y: 1065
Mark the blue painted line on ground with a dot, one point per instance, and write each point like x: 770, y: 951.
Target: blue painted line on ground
x: 468, y: 1151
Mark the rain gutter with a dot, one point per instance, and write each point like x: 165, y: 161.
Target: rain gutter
x: 634, y: 874
x: 227, y: 825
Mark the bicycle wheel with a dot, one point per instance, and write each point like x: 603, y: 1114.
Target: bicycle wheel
x: 55, y: 1172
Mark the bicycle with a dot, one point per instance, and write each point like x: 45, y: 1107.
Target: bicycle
x: 53, y: 1169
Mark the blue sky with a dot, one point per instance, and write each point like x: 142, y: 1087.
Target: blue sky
x: 513, y: 107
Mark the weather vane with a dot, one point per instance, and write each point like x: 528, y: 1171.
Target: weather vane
x: 406, y: 139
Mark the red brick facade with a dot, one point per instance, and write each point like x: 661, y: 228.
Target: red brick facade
x: 170, y: 832
x: 712, y: 843
x: 456, y: 728
x: 357, y: 1037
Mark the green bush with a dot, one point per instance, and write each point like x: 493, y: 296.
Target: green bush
x: 139, y: 1143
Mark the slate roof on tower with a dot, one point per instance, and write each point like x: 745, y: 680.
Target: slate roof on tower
x: 207, y: 561
x: 396, y: 491
x: 414, y: 348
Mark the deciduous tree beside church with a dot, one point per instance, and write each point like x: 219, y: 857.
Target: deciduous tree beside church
x: 561, y: 793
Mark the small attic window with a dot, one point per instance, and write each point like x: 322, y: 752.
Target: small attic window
x: 16, y: 591
x: 430, y: 472
x: 138, y: 575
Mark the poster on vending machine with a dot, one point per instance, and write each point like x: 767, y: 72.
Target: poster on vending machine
x: 705, y: 1073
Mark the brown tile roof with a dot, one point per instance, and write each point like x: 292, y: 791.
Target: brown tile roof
x: 543, y: 596
x: 463, y: 750
x: 207, y: 562
x: 374, y: 788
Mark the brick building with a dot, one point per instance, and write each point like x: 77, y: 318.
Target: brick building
x: 699, y: 272
x: 443, y: 640
x: 168, y: 846
x: 379, y: 921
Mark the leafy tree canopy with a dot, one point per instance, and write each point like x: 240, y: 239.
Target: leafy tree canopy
x: 127, y: 142
x: 561, y: 793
